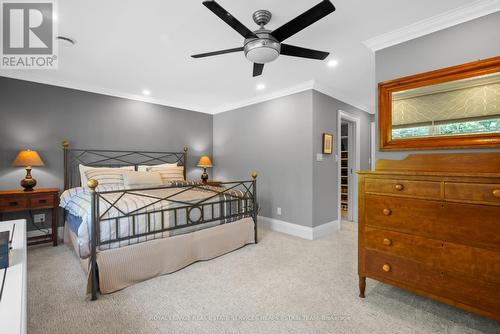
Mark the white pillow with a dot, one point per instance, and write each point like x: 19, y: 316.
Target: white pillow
x: 144, y: 168
x: 142, y: 179
x: 106, y: 176
x: 83, y: 169
x: 169, y: 174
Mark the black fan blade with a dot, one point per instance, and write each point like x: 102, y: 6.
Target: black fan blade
x: 257, y: 69
x: 303, y: 20
x: 215, y: 53
x: 229, y: 19
x: 296, y: 51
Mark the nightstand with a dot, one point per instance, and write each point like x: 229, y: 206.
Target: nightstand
x: 213, y: 183
x: 20, y: 200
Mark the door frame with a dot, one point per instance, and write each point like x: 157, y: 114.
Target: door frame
x: 372, y: 145
x: 354, y: 161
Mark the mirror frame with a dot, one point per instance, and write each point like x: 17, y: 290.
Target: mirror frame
x: 385, y: 90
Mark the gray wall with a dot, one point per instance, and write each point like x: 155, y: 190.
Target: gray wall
x: 469, y: 41
x: 40, y: 117
x: 274, y: 139
x: 325, y: 173
x: 280, y: 139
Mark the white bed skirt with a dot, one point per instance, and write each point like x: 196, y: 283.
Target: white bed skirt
x: 122, y: 267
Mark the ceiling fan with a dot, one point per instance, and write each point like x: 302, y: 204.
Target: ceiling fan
x: 263, y: 46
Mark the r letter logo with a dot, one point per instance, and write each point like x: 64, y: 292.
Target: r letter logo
x: 28, y: 31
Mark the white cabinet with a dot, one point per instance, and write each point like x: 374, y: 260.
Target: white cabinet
x: 13, y: 302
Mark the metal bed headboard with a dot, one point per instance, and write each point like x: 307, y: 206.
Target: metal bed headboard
x: 114, y: 158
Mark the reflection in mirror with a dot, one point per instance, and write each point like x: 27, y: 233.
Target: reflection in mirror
x: 453, y: 108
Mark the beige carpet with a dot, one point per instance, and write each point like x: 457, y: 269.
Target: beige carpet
x: 282, y: 285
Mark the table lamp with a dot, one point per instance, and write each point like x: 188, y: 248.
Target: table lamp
x: 204, y: 163
x: 28, y: 159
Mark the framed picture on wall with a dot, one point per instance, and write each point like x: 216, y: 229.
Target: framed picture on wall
x: 327, y: 143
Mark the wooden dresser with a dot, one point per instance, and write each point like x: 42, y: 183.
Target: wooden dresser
x: 431, y: 224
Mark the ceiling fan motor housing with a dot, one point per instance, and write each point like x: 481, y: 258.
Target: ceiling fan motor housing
x: 263, y: 49
x: 262, y: 17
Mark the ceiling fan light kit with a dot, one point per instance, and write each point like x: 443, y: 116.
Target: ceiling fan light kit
x: 263, y: 46
x: 263, y: 49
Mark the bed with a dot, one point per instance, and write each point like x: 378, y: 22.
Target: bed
x: 126, y: 233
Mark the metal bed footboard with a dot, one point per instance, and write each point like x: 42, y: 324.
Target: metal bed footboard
x: 232, y: 201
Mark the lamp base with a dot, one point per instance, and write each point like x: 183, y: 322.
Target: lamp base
x: 28, y: 183
x: 204, y: 176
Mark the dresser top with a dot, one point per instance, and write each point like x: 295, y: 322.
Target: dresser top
x: 484, y: 164
x: 438, y: 174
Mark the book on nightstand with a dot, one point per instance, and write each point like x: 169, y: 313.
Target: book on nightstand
x: 4, y: 249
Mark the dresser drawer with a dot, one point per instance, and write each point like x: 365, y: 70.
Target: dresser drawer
x: 41, y: 202
x: 474, y: 225
x: 466, y: 261
x: 427, y: 189
x: 473, y: 192
x: 482, y: 295
x: 10, y: 204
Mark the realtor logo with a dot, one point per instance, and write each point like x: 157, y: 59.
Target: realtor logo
x: 28, y: 32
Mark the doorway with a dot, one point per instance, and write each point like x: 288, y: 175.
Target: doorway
x: 348, y: 163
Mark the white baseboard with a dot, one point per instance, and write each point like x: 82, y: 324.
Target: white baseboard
x: 325, y: 229
x: 304, y: 232
x: 37, y: 233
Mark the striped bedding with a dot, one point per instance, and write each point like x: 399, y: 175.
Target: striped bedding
x: 76, y: 201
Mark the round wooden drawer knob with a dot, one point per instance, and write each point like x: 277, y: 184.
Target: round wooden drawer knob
x: 387, y: 242
x: 386, y: 268
x: 387, y: 212
x: 399, y: 187
x: 496, y: 192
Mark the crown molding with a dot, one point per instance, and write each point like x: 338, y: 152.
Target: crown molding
x: 339, y: 96
x: 304, y: 86
x: 113, y: 93
x: 307, y: 85
x: 439, y: 22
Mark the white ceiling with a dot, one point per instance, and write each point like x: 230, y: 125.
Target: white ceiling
x: 126, y: 46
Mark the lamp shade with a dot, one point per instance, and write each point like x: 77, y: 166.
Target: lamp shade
x: 205, y: 162
x: 27, y: 158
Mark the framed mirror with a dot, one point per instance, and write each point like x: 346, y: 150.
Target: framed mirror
x: 455, y: 107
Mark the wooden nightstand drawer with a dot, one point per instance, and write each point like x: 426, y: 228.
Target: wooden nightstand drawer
x: 8, y: 204
x: 213, y: 183
x: 42, y: 202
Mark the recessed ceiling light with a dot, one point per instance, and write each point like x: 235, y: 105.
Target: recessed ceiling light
x: 333, y: 63
x: 146, y: 92
x: 261, y: 86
